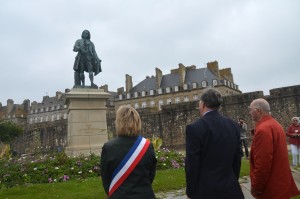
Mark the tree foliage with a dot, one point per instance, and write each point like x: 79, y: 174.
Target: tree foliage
x: 9, y: 131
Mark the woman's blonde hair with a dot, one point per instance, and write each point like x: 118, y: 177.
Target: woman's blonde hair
x: 128, y: 121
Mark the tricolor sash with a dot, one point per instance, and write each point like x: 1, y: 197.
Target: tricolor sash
x: 129, y: 162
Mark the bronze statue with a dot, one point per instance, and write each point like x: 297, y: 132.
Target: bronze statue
x: 86, y: 60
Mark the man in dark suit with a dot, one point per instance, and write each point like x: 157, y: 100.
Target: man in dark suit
x: 213, y: 153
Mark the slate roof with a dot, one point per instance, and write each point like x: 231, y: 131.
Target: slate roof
x: 171, y: 80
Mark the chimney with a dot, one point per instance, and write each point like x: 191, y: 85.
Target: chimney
x: 182, y: 73
x: 214, y: 68
x: 104, y: 87
x: 128, y: 83
x: 121, y: 91
x: 26, y: 105
x: 158, y: 75
x: 0, y: 105
x: 10, y: 105
x: 226, y: 74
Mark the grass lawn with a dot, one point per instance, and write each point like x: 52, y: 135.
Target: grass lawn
x: 165, y: 180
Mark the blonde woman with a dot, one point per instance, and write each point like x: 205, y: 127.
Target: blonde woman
x: 128, y: 162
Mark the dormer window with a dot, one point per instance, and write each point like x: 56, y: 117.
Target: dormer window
x: 215, y: 82
x: 143, y: 93
x: 185, y: 86
x: 136, y: 94
x: 225, y: 82
x: 204, y: 84
x: 128, y: 96
x: 151, y: 92
x: 120, y: 97
x: 231, y: 85
x: 159, y: 91
x: 194, y: 84
x: 168, y: 90
x: 176, y: 88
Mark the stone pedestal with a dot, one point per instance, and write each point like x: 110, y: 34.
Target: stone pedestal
x: 87, y: 128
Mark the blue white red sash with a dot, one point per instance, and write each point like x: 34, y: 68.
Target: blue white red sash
x: 129, y: 162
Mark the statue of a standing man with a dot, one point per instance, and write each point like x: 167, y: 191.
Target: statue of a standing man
x: 86, y: 60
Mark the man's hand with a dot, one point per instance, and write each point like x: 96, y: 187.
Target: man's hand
x: 255, y: 194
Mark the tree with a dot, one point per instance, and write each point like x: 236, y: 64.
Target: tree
x: 9, y: 131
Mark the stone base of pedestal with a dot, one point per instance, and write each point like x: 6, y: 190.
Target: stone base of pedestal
x: 87, y: 128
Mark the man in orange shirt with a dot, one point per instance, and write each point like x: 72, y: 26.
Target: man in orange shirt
x: 270, y: 171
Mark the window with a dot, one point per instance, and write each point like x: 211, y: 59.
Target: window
x: 35, y: 120
x: 231, y: 85
x: 143, y: 93
x: 185, y: 86
x: 177, y: 99
x: 65, y: 116
x: 128, y: 95
x: 168, y: 90
x: 215, y: 82
x: 159, y: 91
x: 176, y: 88
x: 204, y: 84
x: 41, y: 119
x: 152, y: 103
x: 57, y: 117
x: 160, y: 103
x: 169, y: 101
x: 65, y: 106
x: 136, y: 105
x: 136, y: 94
x: 144, y: 104
x: 195, y: 97
x: 225, y: 82
x: 194, y: 84
x: 30, y: 121
x: 120, y: 97
x: 52, y: 117
x: 47, y: 118
x: 151, y: 92
x: 47, y: 109
x: 186, y: 98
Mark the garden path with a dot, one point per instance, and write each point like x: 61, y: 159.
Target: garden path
x: 244, y: 182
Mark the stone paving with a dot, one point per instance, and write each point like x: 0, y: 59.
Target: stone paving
x: 244, y: 182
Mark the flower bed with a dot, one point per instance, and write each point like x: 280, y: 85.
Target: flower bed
x: 59, y: 167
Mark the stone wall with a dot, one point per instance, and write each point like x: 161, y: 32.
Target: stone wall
x: 170, y: 122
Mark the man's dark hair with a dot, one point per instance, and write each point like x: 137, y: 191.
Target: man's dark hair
x: 212, y: 98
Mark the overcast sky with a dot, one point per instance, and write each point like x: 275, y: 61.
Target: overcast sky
x: 258, y: 39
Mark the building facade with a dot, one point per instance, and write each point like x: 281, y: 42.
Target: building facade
x: 183, y: 84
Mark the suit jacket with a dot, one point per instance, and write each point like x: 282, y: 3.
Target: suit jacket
x: 138, y: 183
x: 213, y: 158
x: 270, y: 171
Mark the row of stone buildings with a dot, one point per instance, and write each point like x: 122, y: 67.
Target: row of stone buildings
x: 45, y: 122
